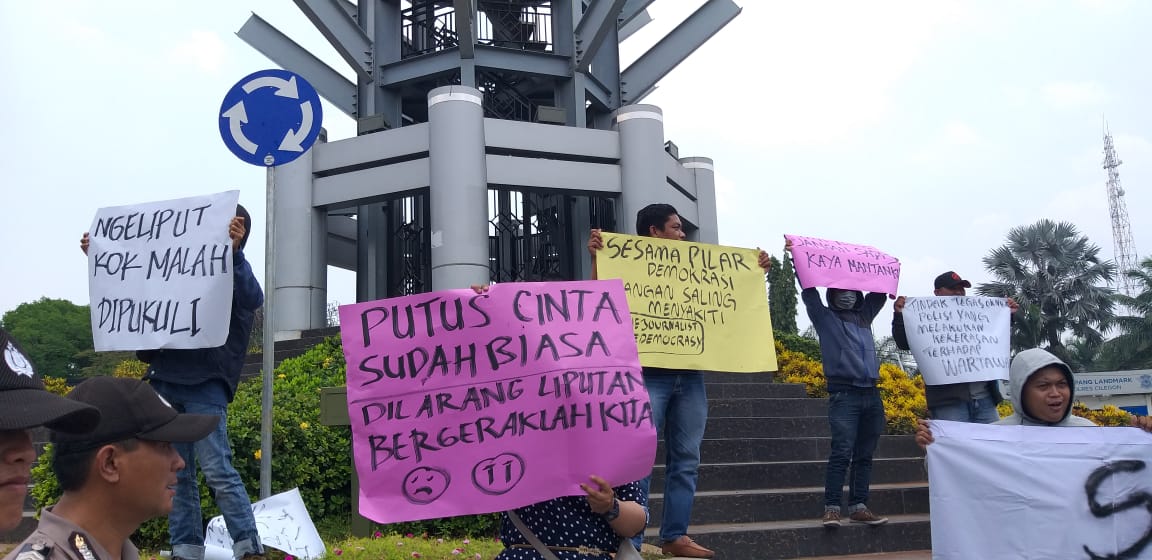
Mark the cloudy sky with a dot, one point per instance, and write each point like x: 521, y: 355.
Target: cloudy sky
x: 927, y: 129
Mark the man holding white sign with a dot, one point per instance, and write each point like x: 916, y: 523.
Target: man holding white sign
x: 160, y: 273
x: 203, y: 381
x: 1012, y: 485
x: 949, y: 398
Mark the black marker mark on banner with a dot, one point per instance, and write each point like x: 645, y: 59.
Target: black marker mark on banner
x: 498, y: 475
x: 149, y: 225
x: 424, y: 485
x: 1134, y: 500
x: 148, y: 316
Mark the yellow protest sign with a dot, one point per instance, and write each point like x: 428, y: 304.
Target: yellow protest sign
x: 694, y: 306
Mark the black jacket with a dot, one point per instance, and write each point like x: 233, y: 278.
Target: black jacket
x: 193, y: 367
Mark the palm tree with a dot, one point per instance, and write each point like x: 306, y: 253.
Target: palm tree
x: 1133, y: 347
x: 1057, y: 277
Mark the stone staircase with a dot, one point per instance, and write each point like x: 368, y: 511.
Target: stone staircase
x: 287, y: 349
x: 761, y: 488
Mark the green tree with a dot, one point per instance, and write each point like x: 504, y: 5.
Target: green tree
x: 91, y: 363
x: 1059, y: 280
x: 53, y: 332
x: 782, y: 295
x: 1132, y: 348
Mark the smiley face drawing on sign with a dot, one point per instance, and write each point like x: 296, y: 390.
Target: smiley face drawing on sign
x: 424, y: 485
x: 497, y: 475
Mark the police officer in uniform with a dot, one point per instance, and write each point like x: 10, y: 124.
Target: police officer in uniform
x: 25, y: 405
x: 115, y: 478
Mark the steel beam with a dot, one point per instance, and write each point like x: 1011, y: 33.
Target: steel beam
x: 286, y: 53
x: 418, y: 68
x: 341, y: 242
x: 465, y: 27
x: 597, y: 21
x: 633, y: 25
x: 345, y: 35
x: 544, y: 64
x: 598, y: 91
x: 675, y: 47
x: 349, y: 7
x: 632, y: 9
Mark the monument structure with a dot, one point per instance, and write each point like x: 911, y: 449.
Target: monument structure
x: 492, y: 135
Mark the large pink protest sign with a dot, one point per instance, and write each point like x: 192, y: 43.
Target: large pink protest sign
x: 832, y: 264
x: 465, y: 403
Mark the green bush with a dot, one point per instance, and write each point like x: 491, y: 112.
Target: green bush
x: 810, y: 347
x: 305, y: 455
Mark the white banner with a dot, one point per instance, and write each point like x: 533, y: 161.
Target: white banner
x: 160, y: 273
x: 283, y: 523
x: 1016, y: 492
x: 957, y: 339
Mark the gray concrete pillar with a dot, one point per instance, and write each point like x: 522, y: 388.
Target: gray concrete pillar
x: 642, y: 176
x: 704, y: 172
x: 301, y: 275
x: 459, y: 187
x: 371, y: 248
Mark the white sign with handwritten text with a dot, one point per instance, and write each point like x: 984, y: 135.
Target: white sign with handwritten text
x: 283, y: 523
x: 957, y: 339
x: 1011, y: 492
x: 160, y: 273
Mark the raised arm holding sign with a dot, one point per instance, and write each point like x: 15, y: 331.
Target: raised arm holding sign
x: 961, y: 401
x: 694, y: 306
x: 160, y: 274
x: 833, y: 264
x: 958, y: 339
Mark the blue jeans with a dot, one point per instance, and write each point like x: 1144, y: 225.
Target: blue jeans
x: 185, y: 523
x: 857, y: 421
x: 979, y: 411
x: 680, y: 412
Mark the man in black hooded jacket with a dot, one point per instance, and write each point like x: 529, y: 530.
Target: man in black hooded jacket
x: 855, y: 410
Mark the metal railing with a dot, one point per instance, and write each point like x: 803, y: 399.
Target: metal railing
x: 428, y: 28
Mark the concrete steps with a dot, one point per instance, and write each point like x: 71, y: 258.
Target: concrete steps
x: 760, y: 492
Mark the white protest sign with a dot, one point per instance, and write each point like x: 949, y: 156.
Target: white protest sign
x: 1038, y: 492
x: 283, y: 523
x: 160, y: 273
x: 957, y: 339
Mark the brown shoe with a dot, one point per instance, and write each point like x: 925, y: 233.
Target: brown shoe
x: 832, y: 519
x: 866, y: 517
x: 687, y: 548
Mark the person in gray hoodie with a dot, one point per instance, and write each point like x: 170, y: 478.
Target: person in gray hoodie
x: 1042, y: 395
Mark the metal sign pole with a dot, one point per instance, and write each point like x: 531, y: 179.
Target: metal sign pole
x: 269, y: 345
x: 273, y: 137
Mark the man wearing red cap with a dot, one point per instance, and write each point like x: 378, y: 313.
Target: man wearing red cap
x: 961, y: 402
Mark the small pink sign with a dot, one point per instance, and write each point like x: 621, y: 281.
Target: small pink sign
x: 832, y: 264
x: 465, y: 403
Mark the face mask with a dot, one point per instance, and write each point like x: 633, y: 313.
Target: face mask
x: 845, y: 300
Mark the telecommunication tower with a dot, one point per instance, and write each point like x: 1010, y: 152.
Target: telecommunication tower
x: 1125, y: 253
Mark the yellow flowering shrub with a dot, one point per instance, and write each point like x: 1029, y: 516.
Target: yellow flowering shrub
x: 903, y: 396
x: 132, y: 369
x: 57, y: 385
x: 795, y: 367
x: 1108, y: 416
